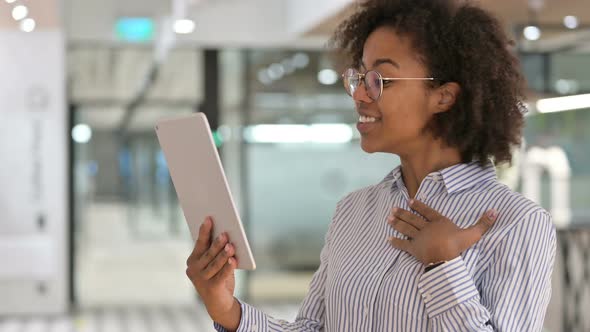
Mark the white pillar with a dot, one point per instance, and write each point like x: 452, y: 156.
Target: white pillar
x: 33, y: 169
x: 555, y: 162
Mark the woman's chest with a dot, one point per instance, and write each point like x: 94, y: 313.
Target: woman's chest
x: 370, y: 282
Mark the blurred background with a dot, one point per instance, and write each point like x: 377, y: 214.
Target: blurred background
x: 92, y: 237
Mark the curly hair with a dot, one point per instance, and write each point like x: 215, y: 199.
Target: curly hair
x: 457, y: 42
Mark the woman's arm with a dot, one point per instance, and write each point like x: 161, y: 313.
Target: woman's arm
x: 515, y: 288
x: 312, y: 314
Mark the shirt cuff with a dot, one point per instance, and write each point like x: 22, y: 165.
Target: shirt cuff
x: 252, y: 320
x: 446, y: 286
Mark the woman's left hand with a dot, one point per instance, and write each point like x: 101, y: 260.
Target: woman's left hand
x: 437, y: 238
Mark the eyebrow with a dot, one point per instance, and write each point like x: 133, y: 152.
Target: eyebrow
x: 381, y: 61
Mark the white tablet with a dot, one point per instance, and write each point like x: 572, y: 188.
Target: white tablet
x: 199, y: 180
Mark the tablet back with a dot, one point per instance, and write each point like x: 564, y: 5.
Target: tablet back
x: 200, y: 182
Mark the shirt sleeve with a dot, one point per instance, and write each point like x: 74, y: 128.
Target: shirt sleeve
x: 515, y: 288
x: 312, y: 313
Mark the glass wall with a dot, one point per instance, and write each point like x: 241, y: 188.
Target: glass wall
x: 131, y: 240
x: 562, y: 74
x: 302, y: 156
x: 290, y: 151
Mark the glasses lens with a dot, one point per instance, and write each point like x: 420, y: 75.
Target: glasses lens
x: 351, y: 81
x: 373, y: 83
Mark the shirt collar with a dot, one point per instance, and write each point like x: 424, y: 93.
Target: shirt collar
x: 455, y: 178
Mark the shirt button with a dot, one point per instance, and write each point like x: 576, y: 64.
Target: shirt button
x: 366, y: 311
x: 422, y: 197
x: 427, y: 297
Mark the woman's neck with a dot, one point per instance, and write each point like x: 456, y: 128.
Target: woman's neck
x: 432, y: 157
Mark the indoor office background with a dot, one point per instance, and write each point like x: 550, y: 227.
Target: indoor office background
x: 92, y: 237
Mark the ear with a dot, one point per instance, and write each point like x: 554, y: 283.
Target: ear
x: 445, y: 96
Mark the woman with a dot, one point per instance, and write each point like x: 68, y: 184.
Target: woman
x: 439, y: 244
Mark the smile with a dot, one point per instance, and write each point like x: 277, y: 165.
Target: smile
x: 367, y: 119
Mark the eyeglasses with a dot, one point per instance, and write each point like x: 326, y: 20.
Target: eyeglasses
x: 373, y: 82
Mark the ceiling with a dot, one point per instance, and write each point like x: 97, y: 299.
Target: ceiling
x: 44, y: 12
x: 240, y: 23
x: 95, y: 54
x: 515, y: 15
x: 282, y: 23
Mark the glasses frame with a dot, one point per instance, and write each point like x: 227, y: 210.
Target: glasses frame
x: 361, y: 78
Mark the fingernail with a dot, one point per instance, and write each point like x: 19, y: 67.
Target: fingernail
x: 492, y: 214
x: 231, y: 261
x: 227, y: 247
x: 412, y: 202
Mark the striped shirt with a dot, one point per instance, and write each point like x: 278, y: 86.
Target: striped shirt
x: 502, y: 283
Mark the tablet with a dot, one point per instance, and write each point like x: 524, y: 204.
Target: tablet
x: 200, y: 182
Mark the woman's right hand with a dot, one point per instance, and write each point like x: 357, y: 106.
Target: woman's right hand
x: 210, y: 267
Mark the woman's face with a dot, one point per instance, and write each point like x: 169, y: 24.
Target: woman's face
x: 405, y: 107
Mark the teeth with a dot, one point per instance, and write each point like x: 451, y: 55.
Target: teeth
x: 365, y: 119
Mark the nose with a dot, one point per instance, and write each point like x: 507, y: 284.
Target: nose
x: 360, y: 94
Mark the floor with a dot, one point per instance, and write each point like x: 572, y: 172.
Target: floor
x: 146, y: 319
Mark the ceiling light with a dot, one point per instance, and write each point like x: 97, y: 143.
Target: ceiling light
x: 300, y: 60
x: 560, y: 104
x: 288, y: 66
x: 276, y: 71
x: 330, y: 133
x: 81, y: 133
x: 27, y: 25
x: 327, y: 76
x: 19, y: 12
x: 263, y: 77
x: 570, y: 22
x: 184, y: 26
x: 566, y: 87
x: 532, y: 32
